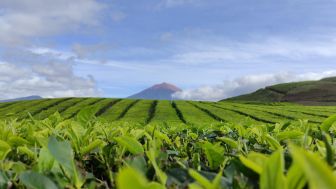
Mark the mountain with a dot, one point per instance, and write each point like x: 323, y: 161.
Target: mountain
x: 321, y: 92
x: 161, y: 91
x: 22, y: 98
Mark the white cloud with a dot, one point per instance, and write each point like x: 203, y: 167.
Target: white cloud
x: 42, y: 71
x: 47, y: 80
x: 219, y: 51
x: 21, y: 19
x: 246, y: 84
x: 43, y: 51
x: 84, y: 50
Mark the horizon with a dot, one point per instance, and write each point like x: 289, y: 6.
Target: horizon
x: 210, y: 49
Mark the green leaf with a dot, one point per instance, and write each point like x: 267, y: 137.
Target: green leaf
x: 62, y: 152
x: 87, y: 114
x: 318, y: 173
x: 160, y: 174
x: 138, y: 162
x: 255, y: 161
x: 5, y: 148
x: 289, y: 135
x: 27, y: 151
x: 129, y: 178
x: 274, y: 144
x: 45, y: 160
x: 328, y: 123
x: 200, y: 179
x: 17, y: 141
x: 329, y: 149
x: 295, y: 177
x: 272, y: 175
x: 36, y: 181
x: 233, y: 144
x: 214, y: 154
x: 130, y: 144
x: 3, y: 180
x: 93, y: 145
x: 204, y: 182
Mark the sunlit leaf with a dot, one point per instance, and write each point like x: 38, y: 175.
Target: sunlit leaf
x: 318, y: 173
x: 129, y: 178
x: 295, y: 177
x: 130, y: 144
x: 328, y: 123
x: 232, y: 143
x: 5, y: 148
x: 272, y: 175
x: 254, y: 161
x: 214, y: 154
x: 93, y: 145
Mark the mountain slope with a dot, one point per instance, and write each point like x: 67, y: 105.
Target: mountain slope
x: 161, y: 91
x: 22, y: 98
x: 306, y: 92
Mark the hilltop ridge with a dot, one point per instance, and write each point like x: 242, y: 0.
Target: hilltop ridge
x: 320, y: 92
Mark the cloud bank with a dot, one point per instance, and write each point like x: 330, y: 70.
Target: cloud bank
x: 246, y: 84
x: 25, y: 70
x: 22, y: 19
x: 47, y: 80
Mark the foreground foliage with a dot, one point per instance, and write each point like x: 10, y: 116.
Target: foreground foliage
x: 87, y: 153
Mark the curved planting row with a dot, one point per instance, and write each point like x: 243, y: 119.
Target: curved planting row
x: 43, y: 105
x: 137, y: 113
x: 178, y: 112
x: 59, y: 107
x: 151, y: 111
x: 71, y: 112
x: 283, y: 113
x: 193, y: 115
x: 208, y: 112
x: 12, y: 111
x: 167, y: 113
x: 103, y: 109
x: 230, y: 115
x: 118, y: 110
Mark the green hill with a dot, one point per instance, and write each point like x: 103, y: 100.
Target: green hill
x: 322, y: 92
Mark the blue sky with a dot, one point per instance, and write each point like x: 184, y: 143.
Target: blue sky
x: 210, y: 48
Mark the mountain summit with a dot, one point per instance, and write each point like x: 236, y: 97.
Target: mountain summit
x: 161, y: 91
x: 22, y: 98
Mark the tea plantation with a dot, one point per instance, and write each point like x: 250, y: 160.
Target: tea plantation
x: 129, y: 144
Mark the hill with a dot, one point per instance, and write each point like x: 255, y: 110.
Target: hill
x: 321, y: 92
x: 22, y: 98
x: 161, y: 91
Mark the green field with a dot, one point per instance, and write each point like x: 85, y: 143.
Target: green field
x: 195, y: 113
x: 126, y: 144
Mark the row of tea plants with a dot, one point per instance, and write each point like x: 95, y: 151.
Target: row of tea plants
x: 88, y: 153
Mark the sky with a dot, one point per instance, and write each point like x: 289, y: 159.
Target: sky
x: 212, y: 49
